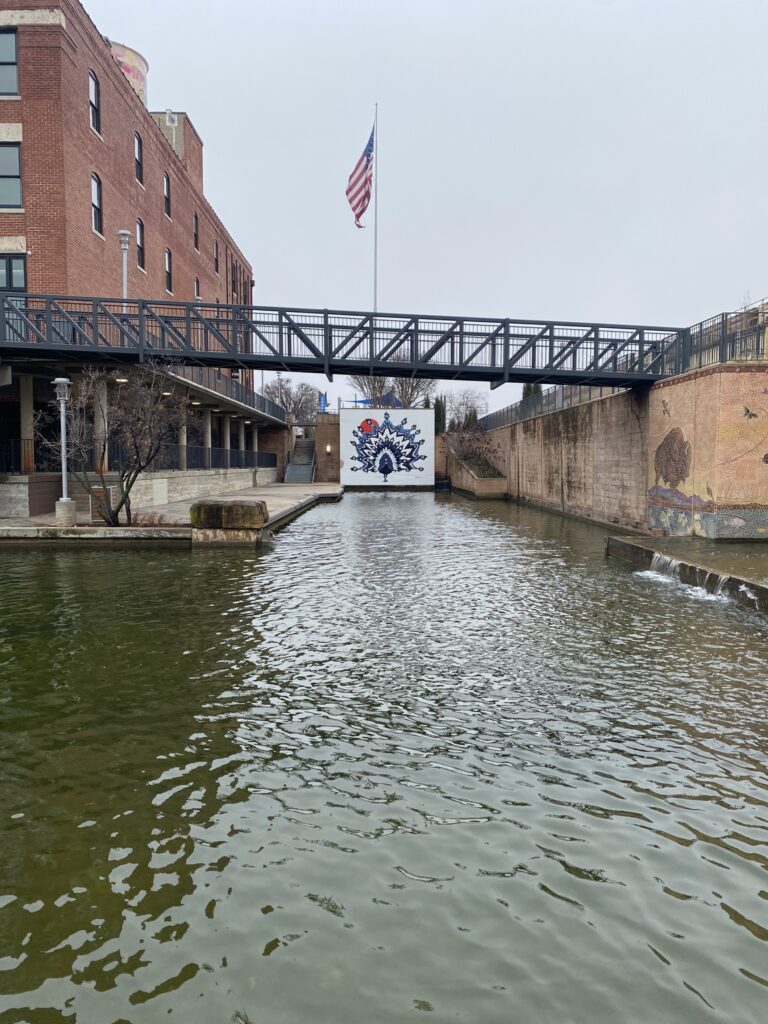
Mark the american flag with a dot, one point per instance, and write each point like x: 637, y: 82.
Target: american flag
x: 360, y: 184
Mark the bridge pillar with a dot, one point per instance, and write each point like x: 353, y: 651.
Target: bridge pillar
x: 226, y: 427
x: 241, y: 443
x: 183, y: 445
x: 254, y: 438
x: 100, y: 419
x: 207, y: 417
x: 27, y: 422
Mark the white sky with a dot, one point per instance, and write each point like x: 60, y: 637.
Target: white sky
x: 577, y: 159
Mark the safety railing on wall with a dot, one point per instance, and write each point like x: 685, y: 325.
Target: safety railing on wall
x: 219, y: 381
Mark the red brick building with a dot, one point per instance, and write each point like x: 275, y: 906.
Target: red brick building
x: 81, y: 158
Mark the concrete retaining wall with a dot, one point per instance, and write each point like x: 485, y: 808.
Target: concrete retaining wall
x: 153, y: 489
x: 589, y: 460
x: 463, y: 479
x: 23, y: 496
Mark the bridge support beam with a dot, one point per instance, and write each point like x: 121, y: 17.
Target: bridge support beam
x: 226, y: 431
x: 27, y: 422
x: 241, y: 442
x: 207, y: 432
x: 183, y: 446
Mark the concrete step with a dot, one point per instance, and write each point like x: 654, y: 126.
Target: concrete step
x: 298, y: 474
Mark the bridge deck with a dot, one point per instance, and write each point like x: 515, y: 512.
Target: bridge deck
x: 97, y: 330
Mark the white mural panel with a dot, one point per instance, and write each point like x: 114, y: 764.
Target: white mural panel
x: 387, y: 447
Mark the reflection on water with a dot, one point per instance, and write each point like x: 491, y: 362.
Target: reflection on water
x: 425, y: 755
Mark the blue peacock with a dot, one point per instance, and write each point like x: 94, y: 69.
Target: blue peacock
x: 387, y: 447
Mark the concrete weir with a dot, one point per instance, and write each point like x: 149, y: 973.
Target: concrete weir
x: 750, y: 593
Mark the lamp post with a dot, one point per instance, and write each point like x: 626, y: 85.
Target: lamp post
x: 124, y: 236
x: 65, y: 507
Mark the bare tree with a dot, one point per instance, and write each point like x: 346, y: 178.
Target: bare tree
x: 410, y: 392
x: 375, y: 389
x: 465, y: 406
x: 122, y: 418
x: 300, y: 400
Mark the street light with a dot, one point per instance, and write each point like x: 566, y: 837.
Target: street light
x: 65, y: 508
x: 124, y: 235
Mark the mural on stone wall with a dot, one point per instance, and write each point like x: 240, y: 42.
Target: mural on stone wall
x: 387, y: 447
x: 709, y: 464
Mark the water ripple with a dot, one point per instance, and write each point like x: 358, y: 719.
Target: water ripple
x: 424, y: 755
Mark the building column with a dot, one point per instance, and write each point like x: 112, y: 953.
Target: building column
x: 241, y: 443
x: 183, y: 445
x: 100, y: 413
x: 254, y: 438
x: 207, y: 432
x: 226, y: 427
x: 27, y: 422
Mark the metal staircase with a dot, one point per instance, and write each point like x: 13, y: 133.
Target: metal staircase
x: 301, y: 468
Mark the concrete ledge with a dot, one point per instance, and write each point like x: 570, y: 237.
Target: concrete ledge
x: 99, y: 535
x: 746, y: 592
x: 282, y: 519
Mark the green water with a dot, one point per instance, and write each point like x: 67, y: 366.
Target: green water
x: 423, y: 756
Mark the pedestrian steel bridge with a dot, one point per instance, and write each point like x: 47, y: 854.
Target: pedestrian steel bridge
x: 474, y: 349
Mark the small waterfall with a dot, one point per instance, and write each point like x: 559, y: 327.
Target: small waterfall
x: 665, y: 565
x: 722, y: 582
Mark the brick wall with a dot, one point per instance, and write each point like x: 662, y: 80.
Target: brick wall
x: 328, y: 463
x: 58, y: 45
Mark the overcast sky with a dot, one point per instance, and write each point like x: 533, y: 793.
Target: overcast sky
x: 577, y: 159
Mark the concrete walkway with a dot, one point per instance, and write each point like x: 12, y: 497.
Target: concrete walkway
x: 284, y: 502
x: 171, y: 523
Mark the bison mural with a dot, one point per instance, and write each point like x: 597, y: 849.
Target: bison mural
x: 672, y: 459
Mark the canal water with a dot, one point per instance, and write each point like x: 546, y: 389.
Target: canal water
x: 425, y: 755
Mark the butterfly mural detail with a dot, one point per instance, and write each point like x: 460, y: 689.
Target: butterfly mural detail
x: 387, y: 447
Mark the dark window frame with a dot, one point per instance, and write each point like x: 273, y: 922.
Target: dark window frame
x: 13, y: 177
x: 138, y: 157
x: 216, y: 255
x: 196, y: 231
x: 94, y: 105
x: 167, y: 194
x: 141, y: 252
x: 169, y: 271
x: 12, y: 63
x: 8, y: 258
x: 97, y: 208
x: 197, y: 287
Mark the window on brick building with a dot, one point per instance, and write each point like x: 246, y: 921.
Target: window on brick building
x: 9, y: 71
x: 167, y: 195
x: 10, y: 174
x: 97, y: 211
x: 13, y: 272
x: 140, y: 256
x: 94, y: 101
x: 196, y: 231
x: 197, y: 287
x: 216, y: 256
x: 234, y: 281
x: 138, y: 158
x: 168, y: 270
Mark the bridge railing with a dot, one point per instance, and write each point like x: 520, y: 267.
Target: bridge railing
x: 336, y: 340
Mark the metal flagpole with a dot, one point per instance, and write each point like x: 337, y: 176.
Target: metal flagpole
x: 376, y: 209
